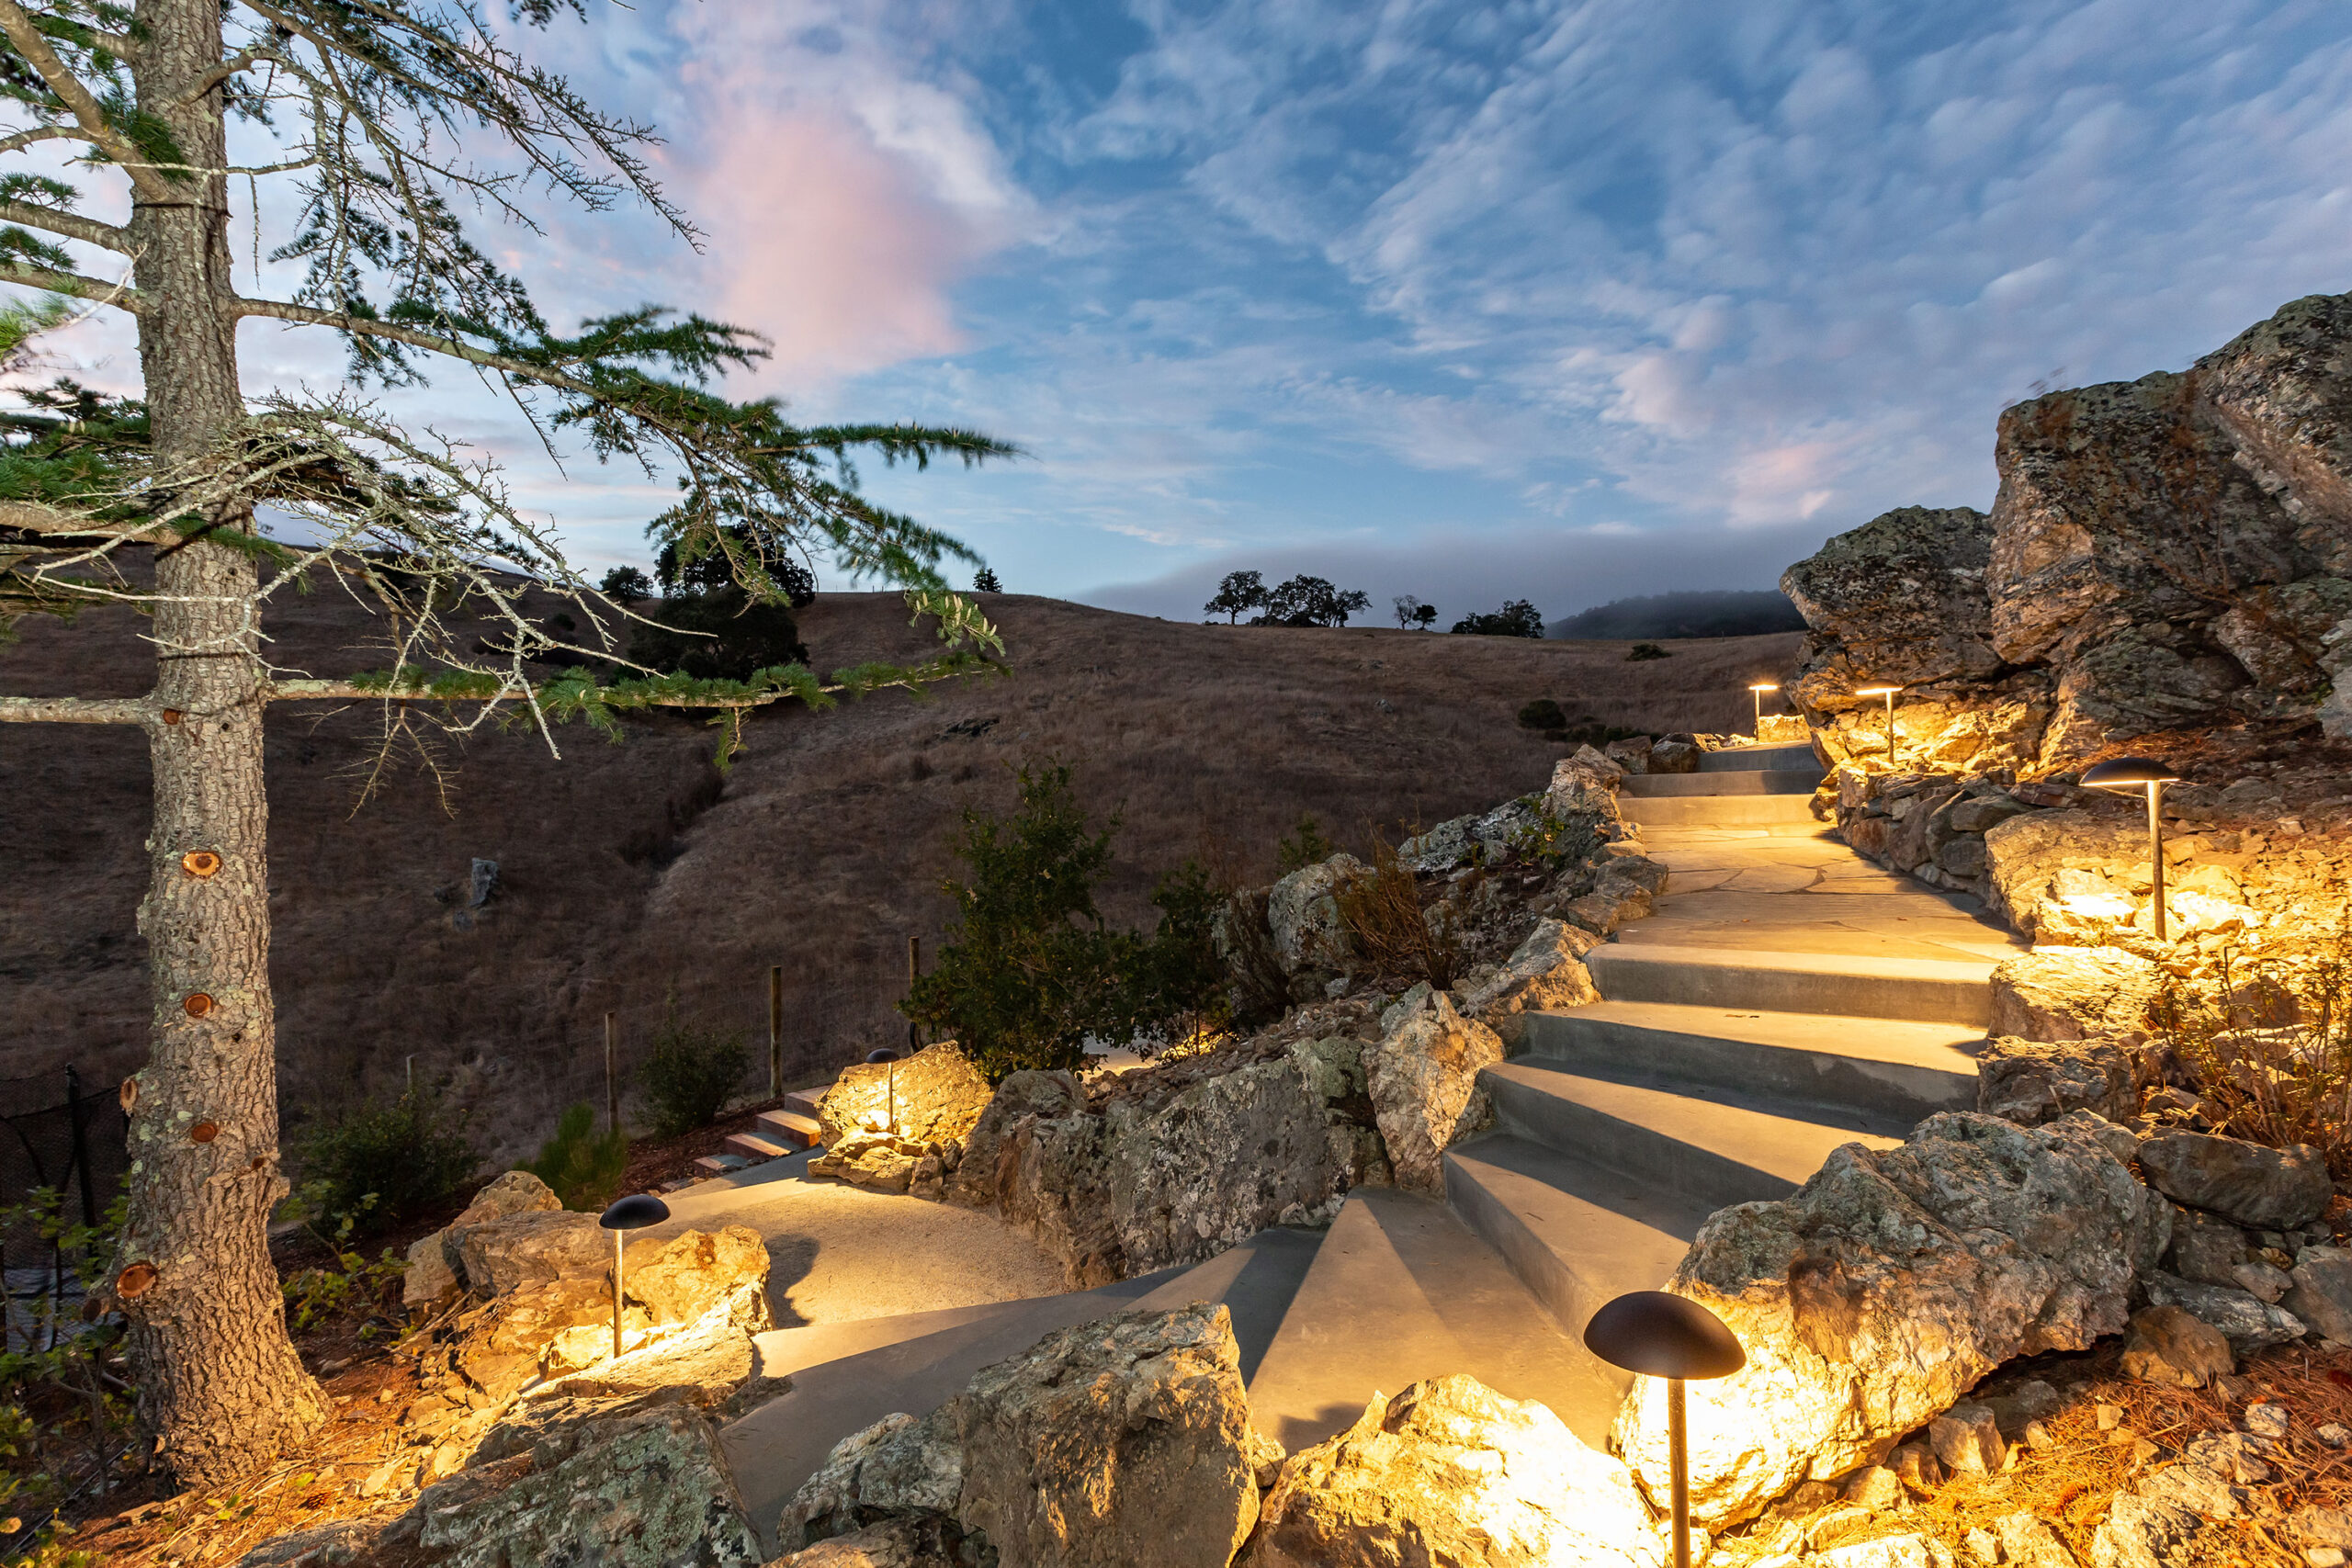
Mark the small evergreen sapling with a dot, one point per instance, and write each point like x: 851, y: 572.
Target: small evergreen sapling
x: 583, y: 1165
x: 985, y: 580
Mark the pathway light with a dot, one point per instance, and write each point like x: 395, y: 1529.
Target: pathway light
x: 633, y: 1213
x: 1888, y: 692
x: 1662, y: 1336
x: 883, y: 1054
x: 2120, y: 773
x: 1758, y: 691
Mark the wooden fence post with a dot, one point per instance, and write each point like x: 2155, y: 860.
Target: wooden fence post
x: 775, y: 1031
x: 613, y: 1069
x: 914, y: 972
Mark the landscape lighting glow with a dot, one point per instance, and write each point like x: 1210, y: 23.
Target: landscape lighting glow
x: 1654, y: 1334
x: 633, y: 1213
x: 1758, y: 689
x: 2121, y: 774
x: 1888, y: 692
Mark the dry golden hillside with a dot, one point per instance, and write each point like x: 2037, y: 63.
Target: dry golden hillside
x: 629, y: 873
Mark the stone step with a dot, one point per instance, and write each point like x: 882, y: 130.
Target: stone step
x: 1402, y: 1291
x: 718, y: 1164
x: 1924, y: 991
x: 1704, y: 1146
x: 1892, y: 1071
x: 847, y: 1376
x: 1576, y: 1233
x: 1741, y: 759
x: 806, y: 1101
x: 755, y: 1146
x: 1715, y: 810
x: 792, y: 1128
x: 1778, y: 781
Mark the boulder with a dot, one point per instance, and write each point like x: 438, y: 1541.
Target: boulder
x: 1967, y: 1439
x: 2322, y: 1293
x: 901, y: 1472
x: 881, y: 1161
x: 1022, y: 1097
x: 2047, y: 873
x: 1545, y: 972
x: 2030, y: 1543
x: 1441, y: 848
x: 1113, y: 1443
x: 2029, y: 1081
x: 1899, y: 600
x: 896, y: 1544
x: 2171, y: 1346
x: 2206, y: 1249
x: 1871, y: 1300
x: 1423, y: 1080
x: 2244, y: 1319
x: 1303, y: 912
x: 2257, y: 1186
x: 939, y: 1095
x: 1675, y: 756
x: 1451, y: 1474
x: 1582, y: 791
x: 535, y: 1248
x: 680, y: 1279
x: 2177, y: 1516
x: 710, y: 1355
x: 433, y: 1262
x: 2073, y: 993
x: 646, y: 1489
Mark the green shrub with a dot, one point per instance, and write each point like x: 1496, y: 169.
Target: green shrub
x: 584, y: 1166
x: 377, y: 1165
x: 691, y: 1075
x: 1179, y: 992
x: 1542, y: 713
x: 1648, y: 651
x: 1307, y: 847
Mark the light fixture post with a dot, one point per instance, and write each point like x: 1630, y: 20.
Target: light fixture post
x: 1678, y: 1451
x: 633, y: 1213
x: 2151, y: 774
x: 883, y: 1054
x: 619, y: 1255
x: 1654, y: 1334
x: 1890, y: 727
x: 1756, y: 689
x: 2156, y: 849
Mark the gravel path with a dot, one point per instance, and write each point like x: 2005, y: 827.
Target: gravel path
x: 841, y: 1253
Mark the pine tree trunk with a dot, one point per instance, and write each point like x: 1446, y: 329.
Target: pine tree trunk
x: 219, y: 1378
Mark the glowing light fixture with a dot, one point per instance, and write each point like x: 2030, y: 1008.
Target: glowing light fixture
x: 2121, y: 774
x: 1758, y: 690
x: 633, y: 1213
x: 1668, y: 1336
x: 1888, y: 692
x: 885, y: 1054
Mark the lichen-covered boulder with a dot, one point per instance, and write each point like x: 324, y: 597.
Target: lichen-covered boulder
x: 903, y: 1470
x: 1423, y: 1081
x: 884, y: 1162
x: 1023, y: 1097
x: 2032, y: 1081
x: 939, y: 1095
x: 1545, y: 971
x: 709, y: 1356
x: 2073, y: 993
x: 2248, y: 1183
x: 1303, y: 912
x: 2244, y: 1319
x: 1900, y: 599
x: 2046, y: 872
x: 2321, y: 1293
x: 1114, y: 1443
x: 1451, y: 1474
x: 433, y: 1262
x: 536, y: 1248
x: 646, y: 1489
x: 2178, y: 1515
x: 679, y: 1279
x: 1887, y: 1286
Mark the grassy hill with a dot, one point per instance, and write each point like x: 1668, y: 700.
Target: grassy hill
x: 633, y: 879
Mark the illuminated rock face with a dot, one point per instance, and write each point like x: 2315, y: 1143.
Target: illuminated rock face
x: 2073, y: 993
x: 939, y: 1095
x: 1879, y: 1294
x: 1545, y: 972
x: 1423, y: 1077
x: 1451, y: 1474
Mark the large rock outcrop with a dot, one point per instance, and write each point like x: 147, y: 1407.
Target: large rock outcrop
x: 1423, y: 1078
x: 1887, y: 1286
x: 936, y: 1092
x: 1451, y: 1474
x: 434, y: 1262
x: 1900, y: 600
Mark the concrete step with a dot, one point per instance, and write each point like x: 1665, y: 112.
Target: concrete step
x: 1778, y: 781
x: 1401, y: 1290
x: 1894, y: 1072
x: 1576, y: 1233
x: 1704, y: 1146
x: 792, y: 1128
x: 718, y: 1164
x: 806, y: 1101
x: 755, y: 1146
x: 1924, y: 990
x: 847, y: 1376
x: 1741, y: 759
x: 1715, y: 810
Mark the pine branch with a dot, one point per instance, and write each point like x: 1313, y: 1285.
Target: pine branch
x: 120, y: 294
x: 73, y: 225
x: 89, y: 113
x: 74, y: 710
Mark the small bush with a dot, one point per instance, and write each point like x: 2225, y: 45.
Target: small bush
x: 1306, y: 847
x: 1542, y: 713
x: 691, y: 1075
x: 1178, y: 992
x: 1648, y: 651
x: 1383, y: 913
x: 377, y: 1166
x: 584, y: 1166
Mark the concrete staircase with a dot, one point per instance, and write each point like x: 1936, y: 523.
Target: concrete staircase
x: 778, y: 1133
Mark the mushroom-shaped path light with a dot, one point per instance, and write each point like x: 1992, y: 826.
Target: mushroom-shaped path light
x: 1888, y: 692
x: 1758, y: 691
x: 633, y: 1213
x: 883, y: 1054
x: 2148, y: 773
x: 1668, y: 1337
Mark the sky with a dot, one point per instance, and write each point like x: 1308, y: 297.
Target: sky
x: 1556, y: 301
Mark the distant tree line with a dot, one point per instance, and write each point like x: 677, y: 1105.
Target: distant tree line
x: 1689, y: 614
x: 1301, y: 602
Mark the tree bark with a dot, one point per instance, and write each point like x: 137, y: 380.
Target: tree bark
x: 219, y: 1378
